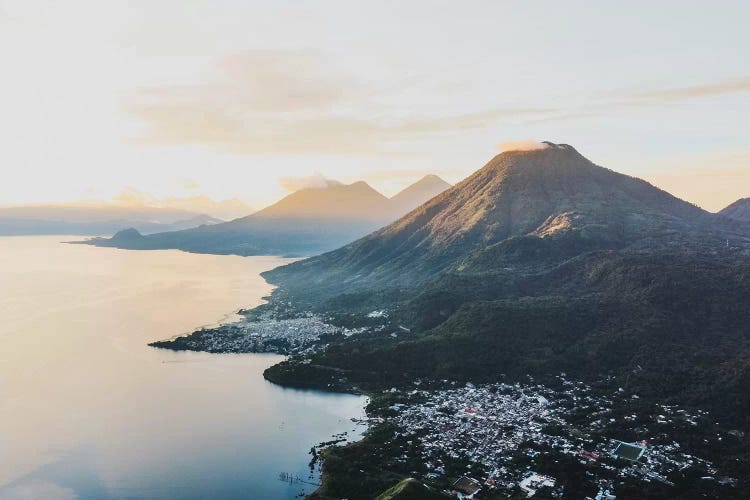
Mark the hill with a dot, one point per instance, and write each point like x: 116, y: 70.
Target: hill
x: 306, y: 222
x: 418, y: 193
x: 357, y: 201
x: 739, y: 210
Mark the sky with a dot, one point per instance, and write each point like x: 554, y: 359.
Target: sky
x: 237, y: 99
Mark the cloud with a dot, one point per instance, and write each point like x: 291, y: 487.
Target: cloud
x: 575, y: 115
x: 289, y: 102
x: 198, y: 203
x: 314, y: 181
x: 262, y: 102
x: 461, y: 122
x: 261, y: 81
x: 133, y: 197
x: 685, y: 93
x: 527, y: 145
x: 623, y: 101
x: 189, y: 185
x: 284, y: 81
x: 295, y: 102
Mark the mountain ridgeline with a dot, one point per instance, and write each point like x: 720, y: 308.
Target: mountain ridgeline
x: 306, y: 222
x: 96, y: 220
x: 534, y: 207
x: 542, y: 262
x: 739, y: 210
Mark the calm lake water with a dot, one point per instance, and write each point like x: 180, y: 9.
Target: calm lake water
x: 88, y: 410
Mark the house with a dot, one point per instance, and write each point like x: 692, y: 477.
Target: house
x: 535, y: 481
x: 604, y: 495
x: 628, y: 451
x: 589, y: 455
x: 466, y: 487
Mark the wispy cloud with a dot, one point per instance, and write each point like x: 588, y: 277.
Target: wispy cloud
x: 295, y: 102
x: 630, y: 100
x: 567, y: 116
x: 133, y: 197
x: 262, y: 81
x: 291, y: 102
x: 695, y: 92
x: 262, y: 102
x: 466, y: 121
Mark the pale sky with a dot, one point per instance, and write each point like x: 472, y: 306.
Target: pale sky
x: 225, y: 98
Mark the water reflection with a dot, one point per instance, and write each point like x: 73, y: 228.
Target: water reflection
x: 88, y: 409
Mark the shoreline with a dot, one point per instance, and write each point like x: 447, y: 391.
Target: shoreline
x: 401, y: 413
x: 151, y: 404
x: 278, y: 344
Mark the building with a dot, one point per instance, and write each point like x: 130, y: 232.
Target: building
x: 628, y: 451
x: 466, y: 487
x: 533, y: 482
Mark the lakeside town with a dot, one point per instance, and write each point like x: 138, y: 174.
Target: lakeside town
x: 504, y: 439
x: 299, y: 335
x: 494, y: 440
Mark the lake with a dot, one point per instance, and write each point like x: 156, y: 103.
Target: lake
x: 88, y: 410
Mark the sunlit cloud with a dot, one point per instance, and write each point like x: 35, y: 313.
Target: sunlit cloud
x: 622, y: 101
x: 189, y: 185
x: 468, y: 121
x: 133, y: 197
x: 569, y: 116
x: 314, y: 181
x: 697, y: 91
x: 527, y: 145
x: 293, y: 102
x: 290, y: 102
x: 262, y: 81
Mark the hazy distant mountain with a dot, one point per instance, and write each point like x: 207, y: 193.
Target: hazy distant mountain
x: 95, y: 219
x: 306, y: 222
x: 421, y: 191
x: 739, y: 210
x: 538, y: 263
x: 192, y: 222
x: 200, y: 204
x: 358, y: 201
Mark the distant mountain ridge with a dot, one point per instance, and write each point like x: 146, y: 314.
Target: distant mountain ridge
x: 305, y: 222
x: 95, y: 219
x: 421, y: 191
x: 739, y: 210
x: 335, y: 201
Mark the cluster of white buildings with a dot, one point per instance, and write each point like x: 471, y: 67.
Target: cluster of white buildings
x: 482, y: 423
x: 490, y: 425
x: 485, y: 424
x: 284, y: 336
